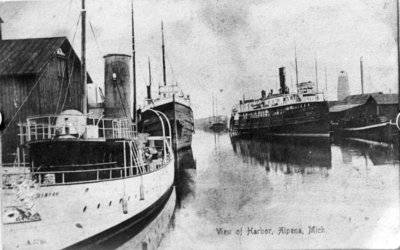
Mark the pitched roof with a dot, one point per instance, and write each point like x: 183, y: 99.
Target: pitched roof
x: 28, y: 56
x: 352, y: 101
x: 355, y: 99
x: 381, y: 98
x: 349, y: 102
x: 342, y: 107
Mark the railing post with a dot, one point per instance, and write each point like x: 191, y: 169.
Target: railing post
x: 18, y: 157
x: 29, y: 129
x: 130, y: 156
x: 49, y: 128
x: 21, y: 132
x: 97, y: 174
x: 112, y: 127
x: 63, y: 178
x: 124, y: 158
x: 104, y: 132
x: 36, y: 137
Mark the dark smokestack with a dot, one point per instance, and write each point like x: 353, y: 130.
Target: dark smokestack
x: 282, y: 80
x: 263, y: 94
x: 1, y: 36
x: 148, y: 92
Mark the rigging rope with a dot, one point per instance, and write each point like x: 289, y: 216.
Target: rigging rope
x: 122, y: 102
x: 95, y: 38
x: 69, y: 78
x: 69, y: 83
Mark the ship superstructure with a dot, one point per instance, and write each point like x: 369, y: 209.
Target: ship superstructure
x: 302, y: 113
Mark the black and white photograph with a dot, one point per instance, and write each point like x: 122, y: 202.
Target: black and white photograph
x: 199, y: 124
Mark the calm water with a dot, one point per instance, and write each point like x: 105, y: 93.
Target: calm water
x: 254, y: 194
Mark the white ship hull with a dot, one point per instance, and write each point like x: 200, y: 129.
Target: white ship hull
x: 71, y: 214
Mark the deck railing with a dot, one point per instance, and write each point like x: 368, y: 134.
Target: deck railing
x: 83, y: 127
x: 63, y: 177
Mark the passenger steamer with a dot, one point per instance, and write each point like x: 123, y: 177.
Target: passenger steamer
x: 172, y: 102
x: 304, y: 113
x: 89, y: 177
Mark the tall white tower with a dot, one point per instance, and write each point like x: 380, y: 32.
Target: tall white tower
x: 343, y: 85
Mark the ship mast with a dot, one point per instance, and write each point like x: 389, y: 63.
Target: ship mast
x: 297, y: 73
x: 163, y: 54
x: 362, y: 75
x: 316, y: 73
x: 213, y: 106
x: 83, y: 66
x: 133, y: 65
x: 398, y: 57
x: 149, y: 87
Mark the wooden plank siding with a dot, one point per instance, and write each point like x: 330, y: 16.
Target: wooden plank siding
x: 58, y: 88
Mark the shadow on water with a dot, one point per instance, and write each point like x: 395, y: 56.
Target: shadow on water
x: 379, y: 153
x: 185, y: 175
x: 286, y: 154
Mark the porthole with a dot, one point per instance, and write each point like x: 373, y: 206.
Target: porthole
x: 109, y: 204
x: 98, y: 206
x: 84, y: 209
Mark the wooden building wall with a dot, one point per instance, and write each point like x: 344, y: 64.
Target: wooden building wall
x: 388, y: 110
x: 47, y: 97
x: 363, y: 112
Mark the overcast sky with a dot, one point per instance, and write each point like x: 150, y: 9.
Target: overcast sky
x: 233, y: 46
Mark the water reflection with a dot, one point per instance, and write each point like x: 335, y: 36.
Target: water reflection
x: 185, y: 175
x: 350, y: 188
x: 286, y: 154
x: 379, y: 153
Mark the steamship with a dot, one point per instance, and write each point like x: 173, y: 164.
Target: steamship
x: 89, y: 177
x: 172, y: 102
x: 217, y: 124
x: 304, y: 113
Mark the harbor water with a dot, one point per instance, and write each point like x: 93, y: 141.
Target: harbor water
x: 287, y: 193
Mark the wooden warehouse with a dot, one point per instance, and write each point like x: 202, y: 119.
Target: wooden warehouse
x: 365, y: 109
x: 37, y: 76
